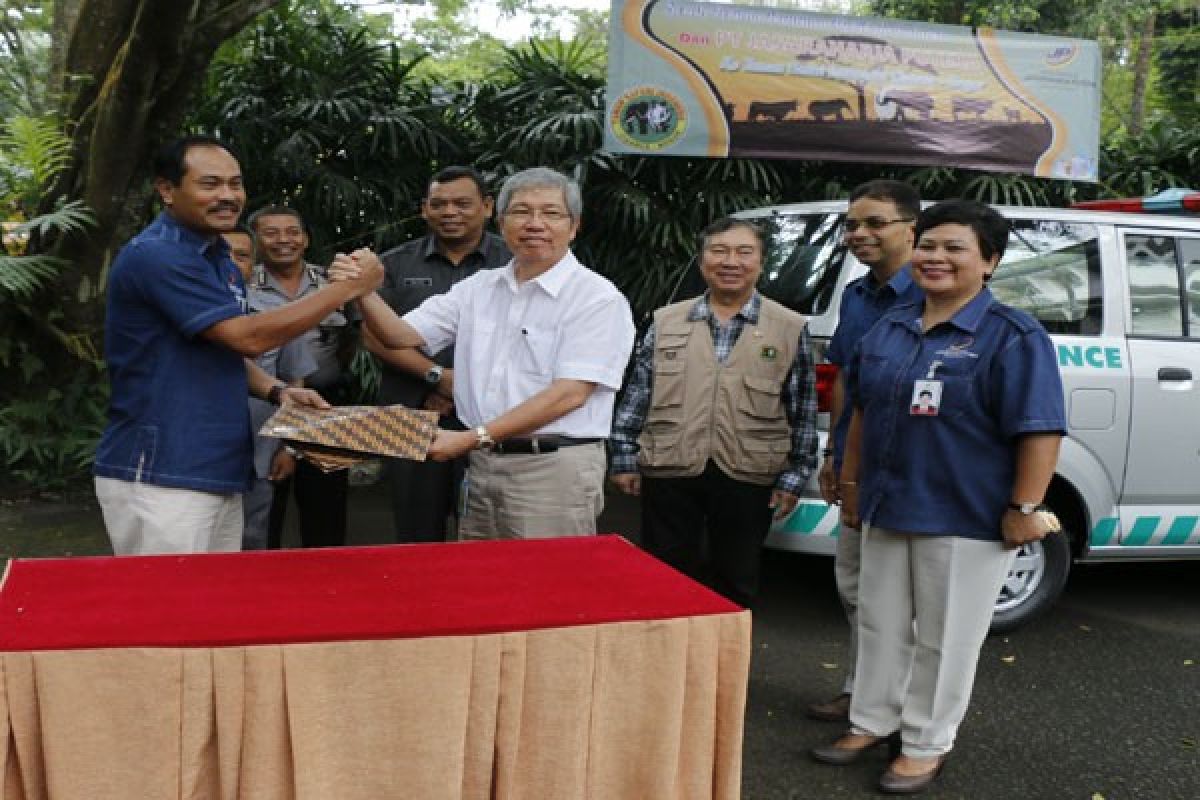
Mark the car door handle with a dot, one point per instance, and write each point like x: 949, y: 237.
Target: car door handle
x: 1174, y: 374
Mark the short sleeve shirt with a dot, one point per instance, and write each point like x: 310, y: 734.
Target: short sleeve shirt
x: 863, y: 302
x: 950, y: 473
x: 177, y: 414
x: 414, y: 272
x: 514, y: 339
x: 325, y: 340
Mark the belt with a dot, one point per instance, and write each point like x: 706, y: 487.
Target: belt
x: 539, y: 444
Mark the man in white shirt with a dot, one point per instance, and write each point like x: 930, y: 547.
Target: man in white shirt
x: 541, y: 348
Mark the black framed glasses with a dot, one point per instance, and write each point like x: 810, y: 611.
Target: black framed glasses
x: 873, y: 223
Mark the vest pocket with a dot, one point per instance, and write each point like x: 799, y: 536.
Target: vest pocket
x: 669, y: 384
x: 761, y: 401
x: 766, y: 457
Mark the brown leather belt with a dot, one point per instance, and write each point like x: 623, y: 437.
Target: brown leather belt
x: 539, y: 444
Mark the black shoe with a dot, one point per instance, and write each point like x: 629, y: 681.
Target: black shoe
x: 836, y: 710
x: 893, y: 783
x: 841, y: 756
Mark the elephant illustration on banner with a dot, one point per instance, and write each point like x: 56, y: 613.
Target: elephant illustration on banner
x: 902, y: 105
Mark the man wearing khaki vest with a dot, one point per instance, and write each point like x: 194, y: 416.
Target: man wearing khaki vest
x: 717, y: 427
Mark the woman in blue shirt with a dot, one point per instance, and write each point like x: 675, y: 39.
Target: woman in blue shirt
x: 958, y: 417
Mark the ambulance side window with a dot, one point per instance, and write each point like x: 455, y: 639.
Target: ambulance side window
x: 1052, y: 270
x: 1189, y: 250
x: 1151, y: 262
x: 804, y: 257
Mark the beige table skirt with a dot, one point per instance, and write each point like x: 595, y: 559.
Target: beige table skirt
x: 622, y: 711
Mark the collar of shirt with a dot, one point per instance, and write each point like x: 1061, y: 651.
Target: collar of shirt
x: 269, y: 281
x: 966, y: 319
x: 551, y: 281
x: 429, y: 248
x: 171, y: 229
x: 748, y: 312
x: 898, y: 283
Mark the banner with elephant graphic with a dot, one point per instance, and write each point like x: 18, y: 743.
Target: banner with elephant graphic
x: 711, y: 79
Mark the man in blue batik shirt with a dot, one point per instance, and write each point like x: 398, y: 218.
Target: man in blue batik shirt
x: 176, y: 454
x: 879, y: 232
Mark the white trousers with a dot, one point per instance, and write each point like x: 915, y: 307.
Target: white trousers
x: 847, y: 563
x: 534, y: 496
x: 143, y: 519
x: 925, y: 601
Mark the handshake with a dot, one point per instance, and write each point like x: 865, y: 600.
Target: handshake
x: 361, y: 268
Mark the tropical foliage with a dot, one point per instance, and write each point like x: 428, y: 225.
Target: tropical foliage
x: 334, y: 116
x: 46, y: 434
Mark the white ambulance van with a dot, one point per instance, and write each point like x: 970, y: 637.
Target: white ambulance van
x: 1117, y: 285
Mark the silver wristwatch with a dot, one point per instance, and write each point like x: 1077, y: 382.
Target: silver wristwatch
x: 486, y: 442
x: 1025, y: 508
x: 434, y: 376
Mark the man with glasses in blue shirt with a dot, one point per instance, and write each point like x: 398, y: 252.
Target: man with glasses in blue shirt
x: 879, y: 233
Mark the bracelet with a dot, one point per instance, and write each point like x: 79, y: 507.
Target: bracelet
x: 847, y: 483
x: 275, y: 393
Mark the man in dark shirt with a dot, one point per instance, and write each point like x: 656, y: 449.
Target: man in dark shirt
x: 879, y: 232
x: 457, y: 207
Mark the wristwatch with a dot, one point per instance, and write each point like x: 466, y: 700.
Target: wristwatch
x: 486, y: 442
x: 434, y: 376
x: 275, y: 393
x: 1025, y: 508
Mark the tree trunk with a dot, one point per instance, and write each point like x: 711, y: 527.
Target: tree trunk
x: 1141, y: 75
x: 66, y: 12
x: 131, y: 68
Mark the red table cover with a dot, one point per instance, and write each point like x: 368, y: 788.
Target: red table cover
x: 339, y: 594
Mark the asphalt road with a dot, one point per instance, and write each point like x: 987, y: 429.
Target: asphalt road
x: 1099, y: 699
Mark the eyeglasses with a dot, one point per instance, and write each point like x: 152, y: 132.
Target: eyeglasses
x: 873, y: 223
x: 551, y: 216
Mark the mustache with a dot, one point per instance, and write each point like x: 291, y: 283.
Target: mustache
x: 225, y: 205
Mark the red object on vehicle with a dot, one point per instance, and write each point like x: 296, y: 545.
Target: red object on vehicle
x: 1169, y: 201
x: 826, y: 375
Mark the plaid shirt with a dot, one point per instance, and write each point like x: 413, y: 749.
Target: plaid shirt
x: 799, y: 395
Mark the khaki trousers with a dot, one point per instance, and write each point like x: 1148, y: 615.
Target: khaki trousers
x: 925, y: 601
x: 143, y: 519
x: 847, y: 563
x: 534, y: 496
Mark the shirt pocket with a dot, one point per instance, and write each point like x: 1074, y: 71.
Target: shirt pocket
x: 535, y: 353
x: 959, y: 395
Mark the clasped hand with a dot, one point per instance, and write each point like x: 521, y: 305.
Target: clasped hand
x: 362, y: 267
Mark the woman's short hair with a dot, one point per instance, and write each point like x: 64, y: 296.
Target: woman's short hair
x: 541, y: 178
x: 990, y: 227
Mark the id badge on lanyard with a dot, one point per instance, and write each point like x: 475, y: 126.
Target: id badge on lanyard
x: 927, y: 394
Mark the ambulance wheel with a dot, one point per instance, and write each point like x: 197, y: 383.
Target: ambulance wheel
x: 1034, y: 583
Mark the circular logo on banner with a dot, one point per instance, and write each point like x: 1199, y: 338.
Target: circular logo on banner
x: 648, y: 118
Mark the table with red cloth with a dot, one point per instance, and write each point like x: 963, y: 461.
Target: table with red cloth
x: 548, y: 670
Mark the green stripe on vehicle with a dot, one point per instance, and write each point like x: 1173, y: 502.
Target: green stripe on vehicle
x: 806, y: 518
x: 1103, y: 531
x: 1143, y: 529
x: 1180, y: 530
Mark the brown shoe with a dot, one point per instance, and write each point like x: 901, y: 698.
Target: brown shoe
x: 850, y: 747
x: 836, y: 710
x: 893, y: 782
